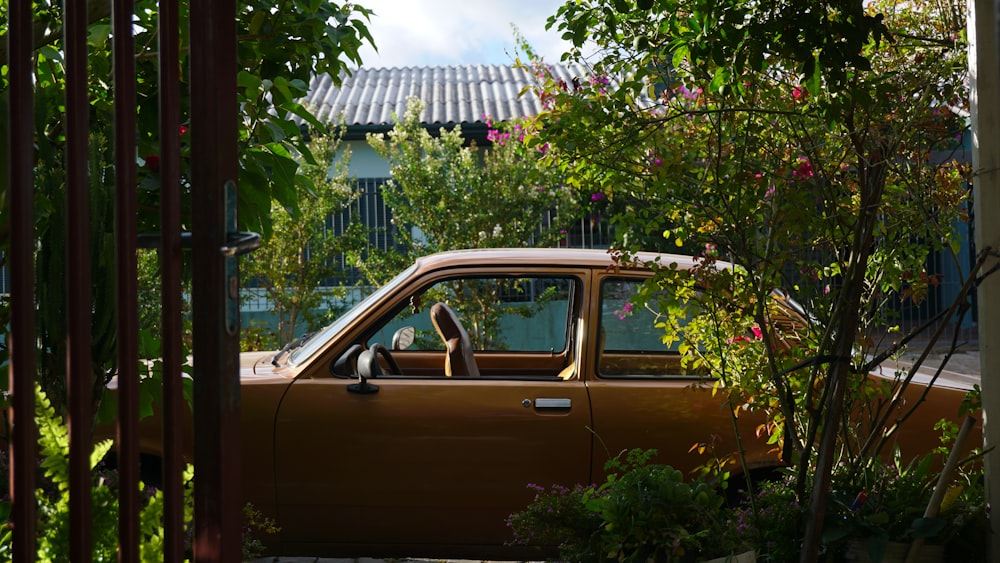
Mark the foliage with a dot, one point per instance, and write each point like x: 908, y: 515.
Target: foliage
x: 445, y: 195
x: 280, y: 47
x: 822, y: 41
x: 646, y: 512
x: 52, y: 267
x: 808, y: 144
x: 53, y: 501
x: 256, y: 524
x: 300, y: 253
x: 886, y: 503
x: 558, y: 516
x: 53, y: 498
x: 770, y: 518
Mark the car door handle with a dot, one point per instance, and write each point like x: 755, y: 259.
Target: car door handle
x: 547, y: 403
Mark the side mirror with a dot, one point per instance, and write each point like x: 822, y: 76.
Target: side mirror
x: 404, y: 338
x: 368, y: 368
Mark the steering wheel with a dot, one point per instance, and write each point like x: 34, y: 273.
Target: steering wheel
x: 384, y: 352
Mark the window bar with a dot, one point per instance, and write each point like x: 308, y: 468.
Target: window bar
x: 125, y: 248
x: 170, y: 266
x: 21, y: 375
x: 78, y: 316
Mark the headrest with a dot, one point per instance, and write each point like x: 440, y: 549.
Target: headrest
x: 446, y: 322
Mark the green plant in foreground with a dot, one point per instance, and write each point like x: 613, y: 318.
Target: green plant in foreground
x: 886, y: 503
x: 53, y: 501
x: 255, y: 523
x: 53, y: 498
x: 642, y: 512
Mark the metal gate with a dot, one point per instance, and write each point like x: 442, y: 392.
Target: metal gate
x: 213, y: 115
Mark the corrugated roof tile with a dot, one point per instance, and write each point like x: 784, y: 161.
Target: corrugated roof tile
x: 455, y: 94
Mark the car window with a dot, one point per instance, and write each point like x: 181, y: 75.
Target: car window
x: 630, y: 344
x: 510, y: 314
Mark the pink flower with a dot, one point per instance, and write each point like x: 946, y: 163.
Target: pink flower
x: 757, y: 332
x: 497, y: 136
x: 625, y: 312
x: 798, y: 92
x: 804, y: 170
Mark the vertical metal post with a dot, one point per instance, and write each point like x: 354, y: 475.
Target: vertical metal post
x: 79, y: 366
x: 984, y: 77
x: 127, y: 285
x: 216, y: 351
x: 170, y: 268
x: 21, y: 377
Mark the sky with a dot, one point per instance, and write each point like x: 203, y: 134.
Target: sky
x: 457, y: 32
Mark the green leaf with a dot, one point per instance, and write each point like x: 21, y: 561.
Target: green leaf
x: 248, y: 81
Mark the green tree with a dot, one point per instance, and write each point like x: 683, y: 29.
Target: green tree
x: 445, y: 195
x: 280, y: 47
x: 802, y: 141
x: 301, y: 252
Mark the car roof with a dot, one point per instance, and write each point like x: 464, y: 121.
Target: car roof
x: 558, y: 257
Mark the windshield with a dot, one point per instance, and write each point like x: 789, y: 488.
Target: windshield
x: 311, y: 345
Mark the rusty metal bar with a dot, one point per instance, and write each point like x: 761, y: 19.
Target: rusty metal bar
x: 21, y: 377
x: 127, y: 285
x: 216, y: 379
x: 78, y: 316
x: 170, y: 267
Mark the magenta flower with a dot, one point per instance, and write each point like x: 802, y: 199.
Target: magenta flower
x: 497, y: 136
x: 597, y: 196
x: 625, y: 311
x: 804, y: 170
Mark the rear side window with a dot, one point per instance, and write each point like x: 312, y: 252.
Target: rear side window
x: 630, y: 343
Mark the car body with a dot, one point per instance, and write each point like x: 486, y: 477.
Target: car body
x: 351, y: 461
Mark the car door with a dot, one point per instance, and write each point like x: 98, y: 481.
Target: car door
x: 432, y: 460
x: 643, y: 397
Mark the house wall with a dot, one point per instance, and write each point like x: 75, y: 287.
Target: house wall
x: 365, y: 162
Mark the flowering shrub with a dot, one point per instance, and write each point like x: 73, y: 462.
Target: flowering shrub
x: 558, y: 516
x: 647, y: 512
x: 446, y: 195
x: 769, y: 519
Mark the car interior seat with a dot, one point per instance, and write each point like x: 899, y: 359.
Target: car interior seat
x: 458, y: 357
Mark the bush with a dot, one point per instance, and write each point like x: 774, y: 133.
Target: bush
x: 646, y: 513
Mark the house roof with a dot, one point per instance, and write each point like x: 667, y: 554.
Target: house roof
x: 466, y: 95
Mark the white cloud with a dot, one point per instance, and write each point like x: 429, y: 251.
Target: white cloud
x: 450, y: 32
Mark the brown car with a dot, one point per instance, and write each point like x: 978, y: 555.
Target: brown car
x: 414, y: 423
